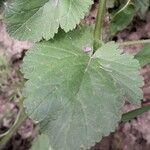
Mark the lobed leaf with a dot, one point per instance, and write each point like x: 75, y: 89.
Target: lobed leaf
x: 37, y: 19
x: 77, y: 97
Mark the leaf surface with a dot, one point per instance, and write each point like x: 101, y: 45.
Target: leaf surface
x: 41, y: 143
x: 77, y: 97
x: 134, y: 113
x: 144, y: 55
x: 37, y: 19
x: 122, y: 18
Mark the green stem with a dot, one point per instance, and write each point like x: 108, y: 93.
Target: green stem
x: 19, y: 121
x: 99, y: 23
x: 128, y: 43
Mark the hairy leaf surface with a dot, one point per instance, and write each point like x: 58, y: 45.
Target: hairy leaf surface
x: 37, y: 19
x: 77, y: 97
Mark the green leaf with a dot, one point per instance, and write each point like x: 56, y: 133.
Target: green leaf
x: 37, y: 19
x: 77, y: 97
x: 144, y: 55
x: 142, y: 7
x: 132, y: 114
x: 122, y: 18
x: 41, y: 143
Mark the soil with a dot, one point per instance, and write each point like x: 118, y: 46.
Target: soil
x: 133, y: 135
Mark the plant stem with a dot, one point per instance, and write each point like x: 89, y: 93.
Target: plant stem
x: 128, y: 43
x: 19, y: 121
x: 99, y: 23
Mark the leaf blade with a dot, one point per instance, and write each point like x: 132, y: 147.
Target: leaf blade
x: 144, y: 55
x: 135, y: 113
x: 36, y: 20
x: 122, y: 18
x: 74, y: 99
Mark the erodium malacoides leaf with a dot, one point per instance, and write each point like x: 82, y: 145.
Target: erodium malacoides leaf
x: 77, y: 97
x: 36, y: 19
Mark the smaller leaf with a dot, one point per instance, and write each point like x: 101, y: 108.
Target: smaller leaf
x: 144, y: 55
x: 132, y: 114
x: 41, y: 143
x: 122, y: 18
